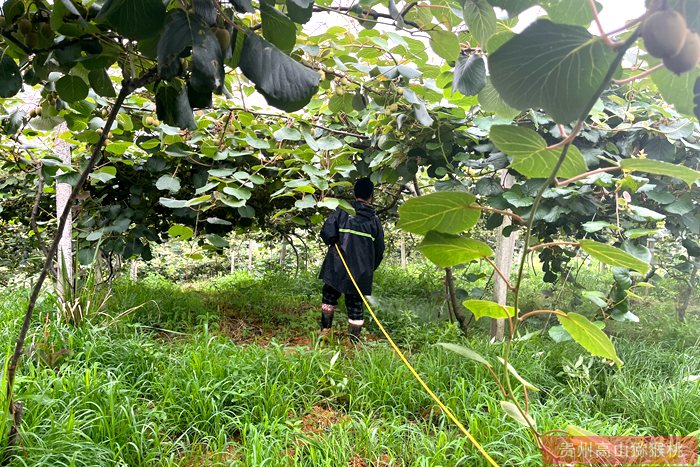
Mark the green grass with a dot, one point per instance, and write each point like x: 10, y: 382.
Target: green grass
x: 170, y: 383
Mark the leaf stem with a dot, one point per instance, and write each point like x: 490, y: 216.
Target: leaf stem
x: 639, y: 76
x: 540, y: 312
x: 586, y: 175
x: 514, y: 216
x: 500, y: 273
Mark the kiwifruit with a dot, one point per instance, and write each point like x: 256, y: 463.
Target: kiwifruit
x: 2, y: 22
x: 664, y: 33
x: 31, y: 40
x: 45, y: 31
x: 687, y: 58
x: 24, y: 26
x: 223, y: 36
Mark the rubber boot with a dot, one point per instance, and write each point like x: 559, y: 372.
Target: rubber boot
x: 354, y: 333
x: 326, y: 322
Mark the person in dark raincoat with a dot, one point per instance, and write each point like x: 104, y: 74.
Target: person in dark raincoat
x: 361, y: 239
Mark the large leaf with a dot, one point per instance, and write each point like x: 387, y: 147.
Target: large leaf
x: 446, y: 212
x: 486, y: 308
x: 530, y: 154
x: 514, y: 7
x: 277, y: 27
x: 569, y: 12
x: 72, y: 88
x: 300, y: 11
x: 613, y: 256
x: 177, y: 35
x: 445, y: 44
x: 206, y: 9
x: 10, y: 76
x: 512, y: 411
x: 653, y: 166
x: 469, y: 75
x: 285, y: 83
x: 173, y: 107
x: 465, y: 352
x: 207, y: 61
x: 676, y: 89
x: 168, y: 183
x: 134, y: 19
x: 101, y: 83
x: 491, y: 101
x: 480, y: 19
x: 556, y: 67
x: 447, y: 250
x: 589, y: 336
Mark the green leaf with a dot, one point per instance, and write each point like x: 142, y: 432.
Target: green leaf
x: 573, y: 12
x: 104, y: 174
x: 207, y: 67
x: 181, y: 232
x: 446, y: 250
x: 100, y: 82
x: 559, y: 334
x: 172, y: 203
x: 328, y: 143
x: 556, y: 67
x: 306, y: 202
x: 445, y: 44
x: 589, y: 336
x: 285, y: 83
x: 134, y: 19
x: 72, y: 88
x: 240, y: 193
x: 177, y: 35
x: 530, y: 154
x: 512, y: 411
x: 277, y: 27
x: 173, y: 107
x: 288, y: 134
x: 300, y: 10
x: 517, y: 376
x: 481, y: 20
x: 217, y: 241
x: 465, y: 352
x: 491, y: 102
x: 469, y: 75
x: 676, y: 89
x: 486, y: 308
x: 514, y: 7
x: 613, y: 256
x: 652, y: 166
x: 10, y: 76
x: 447, y: 212
x: 169, y: 183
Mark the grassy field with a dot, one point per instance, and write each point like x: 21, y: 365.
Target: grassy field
x: 228, y: 372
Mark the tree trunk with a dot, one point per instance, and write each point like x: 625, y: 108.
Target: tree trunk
x: 402, y: 245
x: 251, y: 247
x: 460, y: 316
x: 687, y: 293
x: 64, y: 257
x: 505, y: 249
x: 283, y: 254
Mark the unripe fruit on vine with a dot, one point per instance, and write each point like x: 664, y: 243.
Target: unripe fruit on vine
x: 393, y: 108
x: 344, y: 81
x: 45, y: 31
x: 31, y: 40
x: 339, y: 90
x: 2, y: 22
x: 664, y: 33
x: 223, y: 36
x: 38, y: 111
x: 150, y: 121
x: 688, y: 57
x: 24, y: 26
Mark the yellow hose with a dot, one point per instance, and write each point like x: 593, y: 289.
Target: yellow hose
x: 413, y: 371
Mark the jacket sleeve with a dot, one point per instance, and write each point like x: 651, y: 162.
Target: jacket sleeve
x: 329, y: 231
x: 378, y: 245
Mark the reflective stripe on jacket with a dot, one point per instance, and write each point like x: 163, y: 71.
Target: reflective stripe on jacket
x: 361, y: 239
